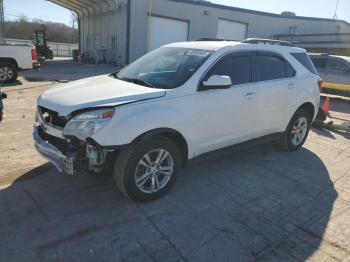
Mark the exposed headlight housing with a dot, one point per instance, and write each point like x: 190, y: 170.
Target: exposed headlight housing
x: 88, y: 123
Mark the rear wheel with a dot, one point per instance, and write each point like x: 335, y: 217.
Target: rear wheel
x: 297, y: 131
x: 147, y: 170
x: 8, y: 72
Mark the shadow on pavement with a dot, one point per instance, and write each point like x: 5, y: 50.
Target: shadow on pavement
x: 322, y: 132
x: 16, y: 83
x: 260, y: 204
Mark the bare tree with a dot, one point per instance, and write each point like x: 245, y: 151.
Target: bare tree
x: 55, y: 32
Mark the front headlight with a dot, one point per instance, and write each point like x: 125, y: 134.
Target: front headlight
x: 88, y: 123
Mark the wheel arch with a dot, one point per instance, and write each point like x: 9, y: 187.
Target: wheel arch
x: 173, y: 135
x: 9, y: 60
x: 310, y: 108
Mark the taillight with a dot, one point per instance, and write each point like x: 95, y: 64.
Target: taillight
x: 34, y: 54
x: 320, y: 82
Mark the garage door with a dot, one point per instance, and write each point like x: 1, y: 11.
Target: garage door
x: 231, y: 30
x: 165, y: 31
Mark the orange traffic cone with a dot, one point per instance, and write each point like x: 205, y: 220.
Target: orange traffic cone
x: 326, y: 105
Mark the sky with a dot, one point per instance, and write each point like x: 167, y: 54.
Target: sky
x: 321, y: 8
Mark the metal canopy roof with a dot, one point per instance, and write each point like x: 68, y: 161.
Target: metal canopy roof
x: 84, y: 7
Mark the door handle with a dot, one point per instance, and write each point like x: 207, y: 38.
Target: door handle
x: 250, y: 95
x: 291, y: 86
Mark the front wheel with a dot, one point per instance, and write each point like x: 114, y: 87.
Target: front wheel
x: 147, y: 170
x: 297, y: 131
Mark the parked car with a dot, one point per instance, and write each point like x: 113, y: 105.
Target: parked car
x: 14, y: 58
x: 334, y: 70
x: 178, y: 103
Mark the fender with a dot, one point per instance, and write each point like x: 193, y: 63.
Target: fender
x: 295, y: 106
x: 134, y: 120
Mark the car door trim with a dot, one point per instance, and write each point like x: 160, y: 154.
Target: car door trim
x: 237, y: 147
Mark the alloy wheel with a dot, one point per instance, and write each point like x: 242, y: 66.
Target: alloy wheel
x: 299, y: 131
x: 154, y: 171
x: 6, y: 73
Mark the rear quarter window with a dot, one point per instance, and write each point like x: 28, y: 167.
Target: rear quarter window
x: 305, y: 60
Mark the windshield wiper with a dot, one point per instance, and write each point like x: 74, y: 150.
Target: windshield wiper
x: 138, y: 81
x: 115, y: 74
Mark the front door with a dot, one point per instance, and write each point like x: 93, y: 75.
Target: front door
x: 227, y: 116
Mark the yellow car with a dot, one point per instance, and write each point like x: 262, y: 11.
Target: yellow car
x: 334, y: 70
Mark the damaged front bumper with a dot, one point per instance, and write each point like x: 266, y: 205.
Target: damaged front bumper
x: 63, y: 163
x: 72, y: 157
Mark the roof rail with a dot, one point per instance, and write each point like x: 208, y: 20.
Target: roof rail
x: 213, y: 39
x: 319, y: 54
x: 267, y: 42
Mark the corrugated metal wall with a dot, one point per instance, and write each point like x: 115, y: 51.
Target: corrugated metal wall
x: 203, y: 22
x: 102, y: 29
x: 116, y: 31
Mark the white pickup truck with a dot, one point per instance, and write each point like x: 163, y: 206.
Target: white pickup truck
x: 14, y: 58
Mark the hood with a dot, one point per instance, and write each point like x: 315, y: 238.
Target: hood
x: 95, y: 92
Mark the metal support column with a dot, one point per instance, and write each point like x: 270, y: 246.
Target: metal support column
x: 2, y: 23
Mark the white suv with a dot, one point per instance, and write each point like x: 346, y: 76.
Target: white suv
x: 175, y: 104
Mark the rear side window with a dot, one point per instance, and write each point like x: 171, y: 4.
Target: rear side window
x: 335, y: 64
x: 238, y: 67
x: 272, y: 66
x: 319, y: 62
x: 305, y: 60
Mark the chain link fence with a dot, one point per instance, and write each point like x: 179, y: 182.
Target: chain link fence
x: 59, y: 49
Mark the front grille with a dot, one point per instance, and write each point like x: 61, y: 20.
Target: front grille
x: 59, y: 143
x: 52, y: 118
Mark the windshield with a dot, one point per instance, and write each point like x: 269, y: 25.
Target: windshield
x: 166, y: 67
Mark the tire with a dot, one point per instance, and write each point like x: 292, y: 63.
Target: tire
x: 8, y: 72
x: 288, y: 141
x: 50, y: 54
x: 128, y: 169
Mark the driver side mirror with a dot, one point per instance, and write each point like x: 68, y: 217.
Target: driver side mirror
x: 217, y: 82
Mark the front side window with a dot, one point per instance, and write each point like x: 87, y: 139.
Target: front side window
x: 238, y: 67
x: 166, y: 67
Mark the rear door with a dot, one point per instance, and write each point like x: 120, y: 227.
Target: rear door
x: 277, y: 85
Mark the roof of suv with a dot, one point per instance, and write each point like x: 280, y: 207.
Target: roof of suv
x: 216, y: 45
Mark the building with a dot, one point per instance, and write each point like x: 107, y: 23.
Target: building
x: 120, y: 31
